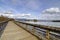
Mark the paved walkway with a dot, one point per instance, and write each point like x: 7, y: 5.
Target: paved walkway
x: 13, y: 32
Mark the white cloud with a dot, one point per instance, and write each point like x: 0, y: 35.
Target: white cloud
x: 50, y: 14
x: 22, y: 15
x: 26, y: 16
x: 8, y: 14
x: 52, y: 10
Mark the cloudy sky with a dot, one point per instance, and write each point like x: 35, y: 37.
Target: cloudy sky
x: 31, y: 7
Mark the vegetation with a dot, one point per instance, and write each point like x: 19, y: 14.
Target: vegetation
x: 2, y: 18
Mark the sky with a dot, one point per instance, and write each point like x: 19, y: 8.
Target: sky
x: 32, y: 8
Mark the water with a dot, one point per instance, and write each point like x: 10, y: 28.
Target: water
x: 53, y: 24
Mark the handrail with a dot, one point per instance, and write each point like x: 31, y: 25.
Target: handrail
x: 54, y: 29
x: 3, y: 25
x: 48, y: 29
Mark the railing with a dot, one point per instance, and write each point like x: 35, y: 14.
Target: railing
x: 2, y: 26
x: 41, y: 31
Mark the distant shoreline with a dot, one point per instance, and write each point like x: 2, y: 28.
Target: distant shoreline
x: 39, y: 20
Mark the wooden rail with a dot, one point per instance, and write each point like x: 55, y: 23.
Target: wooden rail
x: 41, y: 31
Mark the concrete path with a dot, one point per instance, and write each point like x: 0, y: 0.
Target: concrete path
x: 14, y: 32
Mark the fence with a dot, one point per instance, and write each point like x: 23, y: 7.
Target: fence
x: 2, y: 26
x: 41, y: 31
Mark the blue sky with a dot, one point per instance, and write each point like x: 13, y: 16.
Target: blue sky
x: 33, y: 7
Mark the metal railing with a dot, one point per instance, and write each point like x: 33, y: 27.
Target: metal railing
x: 41, y: 31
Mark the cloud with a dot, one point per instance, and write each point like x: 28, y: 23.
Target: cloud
x: 18, y: 15
x: 52, y: 10
x: 26, y: 16
x: 50, y: 14
x: 21, y: 6
x: 23, y: 15
x: 8, y: 14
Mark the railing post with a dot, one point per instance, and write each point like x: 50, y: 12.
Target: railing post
x: 26, y: 26
x: 47, y: 35
x: 33, y: 30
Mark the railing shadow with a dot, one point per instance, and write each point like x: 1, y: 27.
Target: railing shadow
x: 2, y: 28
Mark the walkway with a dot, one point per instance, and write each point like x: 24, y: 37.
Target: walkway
x: 14, y: 32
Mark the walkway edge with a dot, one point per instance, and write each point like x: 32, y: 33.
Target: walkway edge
x: 27, y: 30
